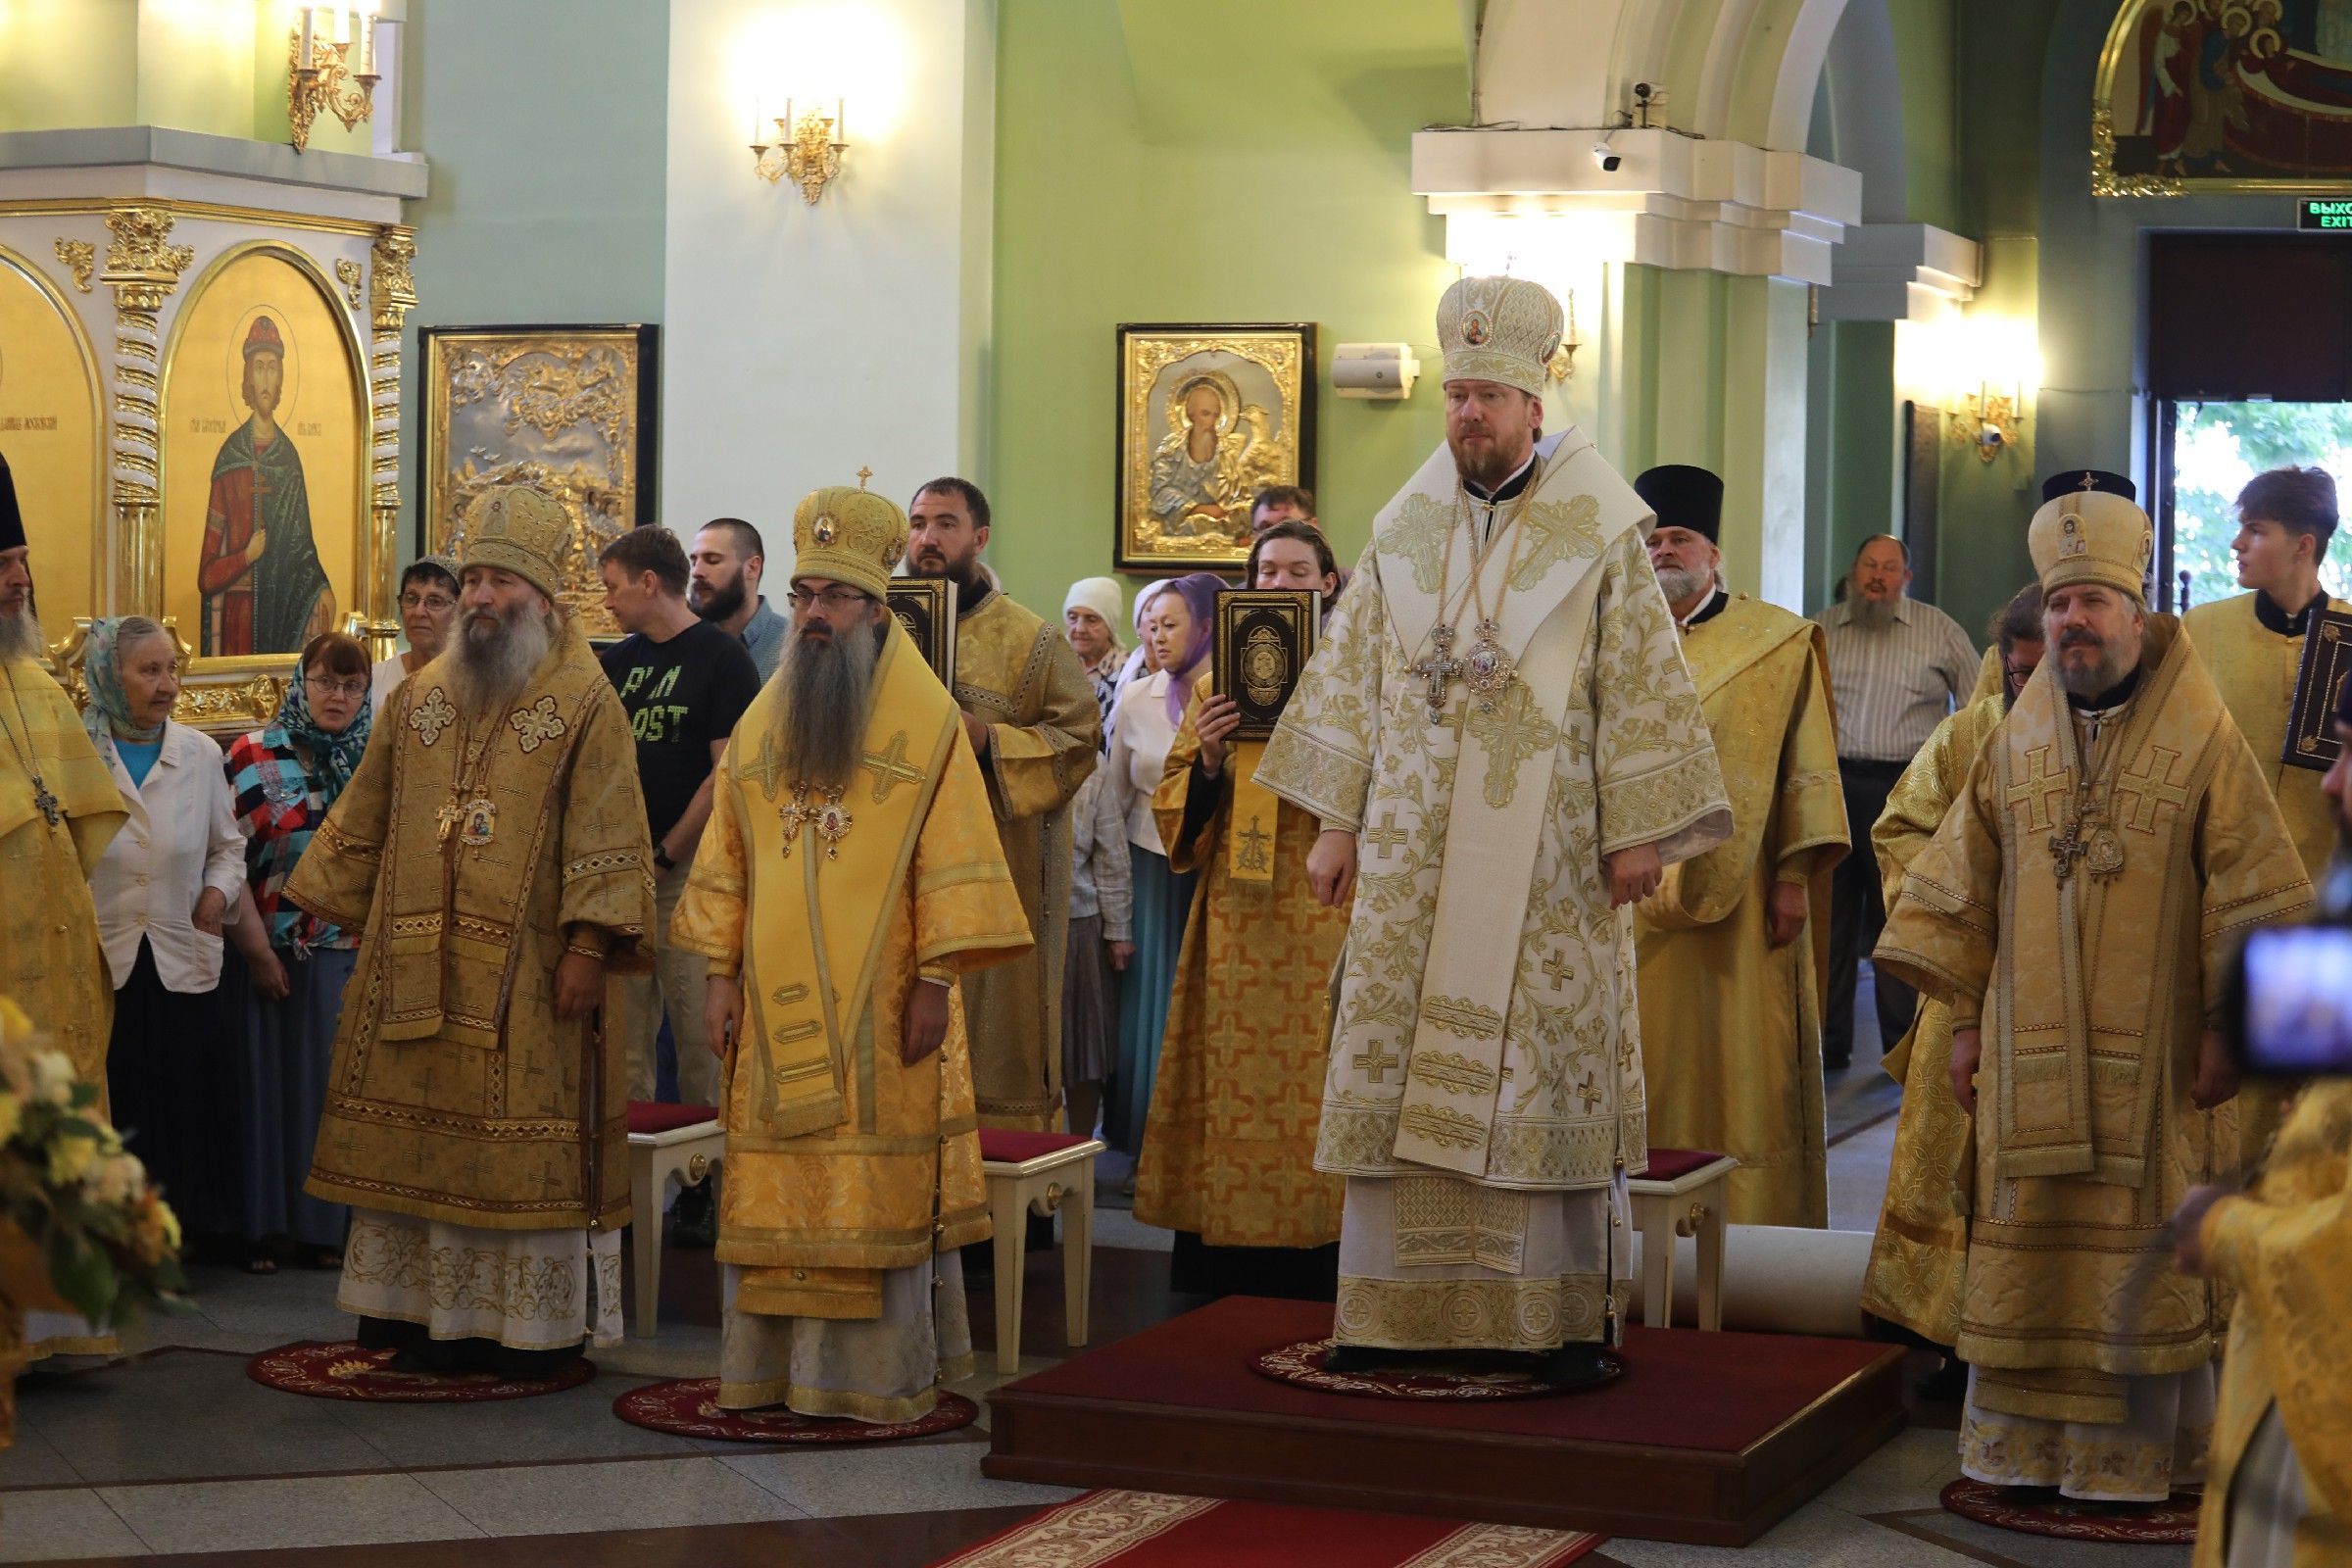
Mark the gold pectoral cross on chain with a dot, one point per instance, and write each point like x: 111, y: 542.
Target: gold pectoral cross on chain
x: 1438, y: 670
x: 45, y: 802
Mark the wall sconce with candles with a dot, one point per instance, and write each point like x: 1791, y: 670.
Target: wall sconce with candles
x: 1987, y: 399
x: 325, y: 73
x: 806, y: 150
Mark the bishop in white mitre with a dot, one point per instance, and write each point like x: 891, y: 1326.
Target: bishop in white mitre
x: 1497, y: 730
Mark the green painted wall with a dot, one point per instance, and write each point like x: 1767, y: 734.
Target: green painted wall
x: 547, y: 197
x: 1924, y: 35
x: 1225, y: 160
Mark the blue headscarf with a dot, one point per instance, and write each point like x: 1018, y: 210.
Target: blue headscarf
x: 333, y: 757
x: 108, y: 718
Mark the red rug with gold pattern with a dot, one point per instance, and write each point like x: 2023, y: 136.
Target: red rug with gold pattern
x: 1155, y: 1529
x: 1301, y: 1362
x: 689, y: 1408
x: 341, y: 1370
x: 2041, y: 1511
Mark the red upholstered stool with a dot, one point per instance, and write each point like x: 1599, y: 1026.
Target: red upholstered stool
x: 1682, y: 1192
x: 665, y: 1142
x: 1046, y: 1172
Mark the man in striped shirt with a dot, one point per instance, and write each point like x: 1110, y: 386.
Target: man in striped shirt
x: 1896, y: 669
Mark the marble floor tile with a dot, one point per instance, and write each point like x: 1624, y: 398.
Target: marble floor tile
x: 188, y: 1415
x: 1815, y: 1536
x: 890, y: 1478
x: 575, y: 1424
x: 311, y: 1511
x: 1910, y: 1471
x: 33, y: 1461
x: 47, y: 1526
x: 1988, y: 1542
x: 652, y: 1494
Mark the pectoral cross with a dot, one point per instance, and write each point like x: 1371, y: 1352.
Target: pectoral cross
x: 45, y: 802
x: 445, y: 820
x: 1438, y: 670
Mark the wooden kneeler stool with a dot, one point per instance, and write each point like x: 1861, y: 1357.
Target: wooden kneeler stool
x: 664, y: 1141
x: 1044, y: 1172
x: 1685, y: 1192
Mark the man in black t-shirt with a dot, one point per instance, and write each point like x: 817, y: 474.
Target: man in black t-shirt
x: 685, y: 682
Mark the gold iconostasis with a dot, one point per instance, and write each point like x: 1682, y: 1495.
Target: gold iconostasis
x: 201, y: 406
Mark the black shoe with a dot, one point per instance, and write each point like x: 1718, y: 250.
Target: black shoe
x: 1948, y: 1384
x: 694, y: 1218
x: 1573, y: 1365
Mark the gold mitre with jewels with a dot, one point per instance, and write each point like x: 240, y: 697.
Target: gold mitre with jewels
x: 518, y: 529
x: 849, y: 535
x: 2090, y: 531
x: 1502, y: 329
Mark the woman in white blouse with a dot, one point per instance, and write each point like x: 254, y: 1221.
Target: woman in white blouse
x: 164, y: 890
x: 1177, y: 628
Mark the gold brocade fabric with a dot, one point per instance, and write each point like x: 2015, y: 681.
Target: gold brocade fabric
x: 1229, y: 1149
x: 503, y: 1117
x: 50, y: 959
x: 1626, y: 761
x: 1920, y: 1247
x: 818, y: 1213
x: 2095, y: 990
x: 1992, y: 677
x: 1730, y: 1026
x: 2288, y: 1251
x: 2255, y: 670
x: 1016, y: 671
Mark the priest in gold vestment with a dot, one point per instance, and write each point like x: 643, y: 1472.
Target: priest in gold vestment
x: 491, y: 851
x: 2253, y: 644
x: 849, y: 874
x: 1229, y: 1149
x: 1916, y: 1256
x: 1030, y: 713
x: 59, y: 810
x: 2078, y: 910
x: 1500, y: 718
x: 1731, y: 988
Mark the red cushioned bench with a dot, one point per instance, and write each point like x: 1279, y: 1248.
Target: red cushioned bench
x: 1046, y: 1172
x: 665, y: 1142
x: 1683, y: 1191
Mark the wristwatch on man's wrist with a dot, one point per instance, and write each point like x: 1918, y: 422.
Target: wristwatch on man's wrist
x: 661, y: 858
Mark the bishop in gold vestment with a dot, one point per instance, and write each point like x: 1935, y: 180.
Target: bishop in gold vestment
x: 2077, y: 910
x: 492, y: 849
x: 1501, y: 717
x: 1031, y: 712
x: 1731, y: 988
x: 837, y: 910
x: 59, y: 810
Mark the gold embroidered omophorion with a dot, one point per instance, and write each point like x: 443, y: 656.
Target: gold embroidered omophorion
x: 1731, y: 1025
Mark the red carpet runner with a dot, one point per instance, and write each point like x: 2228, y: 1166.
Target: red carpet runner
x: 1154, y: 1530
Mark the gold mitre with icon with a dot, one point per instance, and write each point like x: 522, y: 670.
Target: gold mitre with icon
x: 2090, y: 531
x: 518, y: 529
x: 849, y: 535
x: 1502, y: 329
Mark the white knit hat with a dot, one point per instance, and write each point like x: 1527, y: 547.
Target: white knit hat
x: 1099, y: 593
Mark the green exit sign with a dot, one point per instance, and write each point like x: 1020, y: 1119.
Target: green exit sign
x: 2327, y: 211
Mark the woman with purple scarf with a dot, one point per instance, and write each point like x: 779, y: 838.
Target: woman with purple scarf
x: 1178, y: 628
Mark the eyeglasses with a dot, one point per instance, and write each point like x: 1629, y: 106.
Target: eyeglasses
x: 436, y: 602
x: 334, y: 687
x: 832, y: 599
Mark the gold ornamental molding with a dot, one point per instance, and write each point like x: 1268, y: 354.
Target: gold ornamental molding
x: 81, y: 260
x: 394, y: 288
x: 2106, y: 181
x: 392, y: 294
x: 142, y: 266
x: 347, y: 274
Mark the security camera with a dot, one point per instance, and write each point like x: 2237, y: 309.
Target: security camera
x: 1609, y: 160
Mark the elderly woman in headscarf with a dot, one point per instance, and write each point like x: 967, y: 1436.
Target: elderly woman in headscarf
x: 1090, y: 620
x: 164, y: 890
x: 1177, y: 628
x: 284, y: 777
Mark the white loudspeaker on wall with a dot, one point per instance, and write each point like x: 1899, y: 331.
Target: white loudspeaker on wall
x: 1384, y: 371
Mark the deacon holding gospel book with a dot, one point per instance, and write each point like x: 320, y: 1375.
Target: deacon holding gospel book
x: 1229, y: 1149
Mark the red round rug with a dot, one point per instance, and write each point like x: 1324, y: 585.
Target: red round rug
x: 341, y: 1370
x: 2041, y: 1511
x: 1301, y: 1362
x: 689, y: 1408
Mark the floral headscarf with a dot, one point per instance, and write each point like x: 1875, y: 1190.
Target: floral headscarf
x: 1199, y: 590
x: 108, y: 718
x: 335, y: 756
